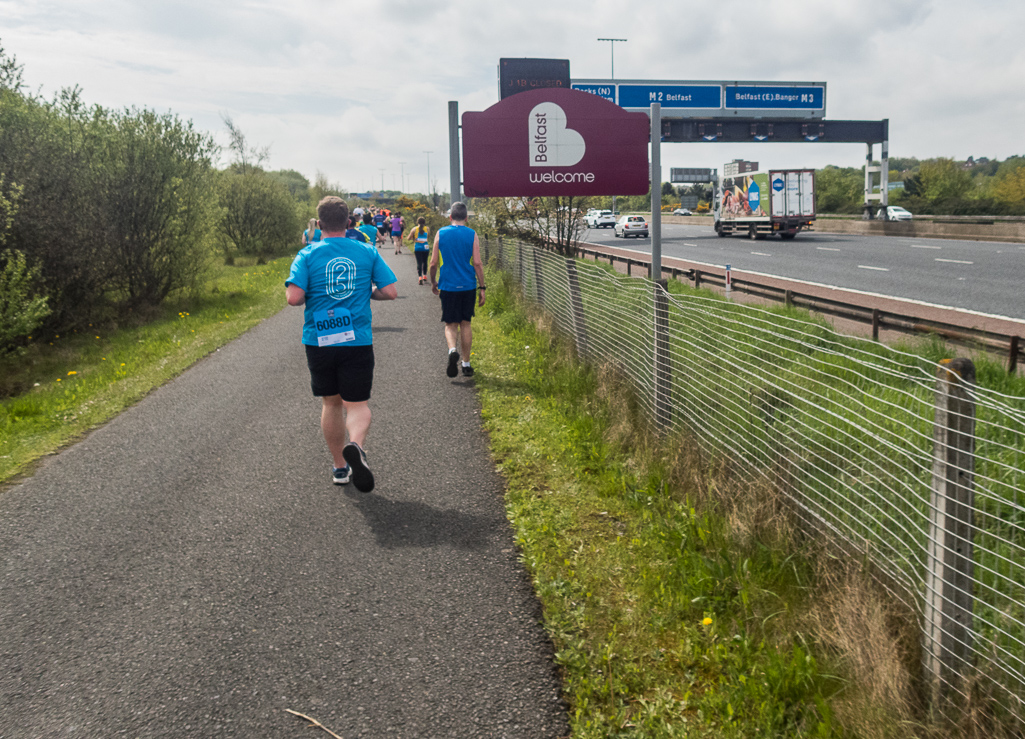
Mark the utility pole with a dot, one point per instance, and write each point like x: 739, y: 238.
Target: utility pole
x: 428, y: 153
x: 402, y: 166
x: 612, y: 51
x: 382, y: 180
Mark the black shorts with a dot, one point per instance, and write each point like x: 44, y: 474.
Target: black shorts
x: 382, y: 229
x: 457, y: 307
x: 341, y: 370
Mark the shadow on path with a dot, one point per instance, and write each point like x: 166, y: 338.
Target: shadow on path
x: 399, y: 524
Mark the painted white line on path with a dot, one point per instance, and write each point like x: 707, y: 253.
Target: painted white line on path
x: 761, y: 254
x: 825, y: 248
x: 853, y: 291
x: 954, y: 261
x: 923, y: 246
x: 877, y: 269
x: 686, y: 244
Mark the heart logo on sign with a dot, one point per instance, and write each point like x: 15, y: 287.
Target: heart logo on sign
x: 552, y: 143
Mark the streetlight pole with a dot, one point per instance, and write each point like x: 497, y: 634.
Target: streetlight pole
x: 612, y: 52
x: 402, y: 166
x: 612, y: 75
x: 428, y: 153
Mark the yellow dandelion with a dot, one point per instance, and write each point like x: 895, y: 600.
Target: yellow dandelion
x: 72, y: 372
x: 58, y: 379
x: 706, y: 621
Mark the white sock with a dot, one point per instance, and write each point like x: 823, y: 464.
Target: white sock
x: 466, y: 364
x: 451, y: 351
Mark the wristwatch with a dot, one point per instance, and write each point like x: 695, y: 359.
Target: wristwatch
x: 482, y: 287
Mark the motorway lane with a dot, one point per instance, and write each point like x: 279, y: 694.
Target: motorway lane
x: 189, y: 569
x: 970, y: 275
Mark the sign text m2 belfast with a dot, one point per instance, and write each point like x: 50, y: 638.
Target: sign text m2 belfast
x: 555, y: 142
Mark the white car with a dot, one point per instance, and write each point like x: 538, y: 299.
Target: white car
x: 631, y: 226
x: 682, y: 212
x: 896, y: 213
x: 600, y: 219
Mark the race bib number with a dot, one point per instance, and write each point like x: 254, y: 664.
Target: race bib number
x: 333, y: 326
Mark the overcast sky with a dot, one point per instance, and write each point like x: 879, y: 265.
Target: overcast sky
x: 350, y: 89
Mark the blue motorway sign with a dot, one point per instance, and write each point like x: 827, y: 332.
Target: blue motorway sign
x: 740, y: 97
x: 682, y: 99
x: 670, y: 96
x: 603, y: 91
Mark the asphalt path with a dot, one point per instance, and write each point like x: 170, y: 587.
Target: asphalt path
x: 188, y: 569
x: 968, y: 275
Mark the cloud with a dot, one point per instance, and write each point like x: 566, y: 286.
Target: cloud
x: 351, y: 90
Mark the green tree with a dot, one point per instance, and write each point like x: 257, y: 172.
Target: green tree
x: 22, y: 307
x: 156, y: 188
x: 839, y: 190
x: 259, y: 216
x: 297, y: 185
x: 1009, y: 185
x: 943, y: 180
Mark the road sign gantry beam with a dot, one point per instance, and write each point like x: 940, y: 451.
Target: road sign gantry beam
x: 782, y: 130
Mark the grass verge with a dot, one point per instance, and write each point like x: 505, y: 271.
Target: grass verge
x: 64, y: 385
x: 679, y: 597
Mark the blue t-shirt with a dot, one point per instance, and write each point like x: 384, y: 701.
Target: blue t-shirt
x: 421, y: 238
x: 316, y: 236
x: 338, y: 276
x: 456, y: 246
x: 356, y: 235
x: 370, y: 231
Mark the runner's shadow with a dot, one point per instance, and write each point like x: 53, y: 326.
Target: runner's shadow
x: 399, y: 524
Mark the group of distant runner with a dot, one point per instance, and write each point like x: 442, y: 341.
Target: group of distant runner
x: 369, y: 226
x: 335, y: 276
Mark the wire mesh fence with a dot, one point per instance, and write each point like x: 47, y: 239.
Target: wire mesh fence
x: 888, y: 453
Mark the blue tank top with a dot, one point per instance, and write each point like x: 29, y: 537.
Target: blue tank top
x: 456, y: 246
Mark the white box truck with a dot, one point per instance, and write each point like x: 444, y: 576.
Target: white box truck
x: 774, y: 202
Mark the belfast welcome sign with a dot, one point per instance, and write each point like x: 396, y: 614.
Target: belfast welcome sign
x: 555, y: 142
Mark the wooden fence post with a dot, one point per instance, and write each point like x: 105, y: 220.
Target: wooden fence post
x: 949, y: 577
x: 663, y: 364
x: 577, y: 306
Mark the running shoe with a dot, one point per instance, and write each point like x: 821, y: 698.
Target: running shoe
x: 362, y: 477
x: 341, y: 475
x: 453, y: 365
x: 467, y: 370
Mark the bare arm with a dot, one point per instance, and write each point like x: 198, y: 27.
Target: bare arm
x: 388, y: 292
x: 294, y: 295
x: 432, y: 267
x: 478, y: 267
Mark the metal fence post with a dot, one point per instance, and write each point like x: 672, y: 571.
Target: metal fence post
x: 519, y: 266
x: 539, y: 286
x: 577, y: 306
x: 663, y: 366
x: 950, y: 572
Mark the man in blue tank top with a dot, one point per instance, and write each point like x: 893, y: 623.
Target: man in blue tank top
x: 456, y: 252
x: 336, y: 278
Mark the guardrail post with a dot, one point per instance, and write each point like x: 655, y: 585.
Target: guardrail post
x: 788, y: 298
x: 697, y: 279
x: 949, y: 577
x: 876, y: 316
x: 1012, y: 356
x: 539, y: 287
x: 663, y: 365
x: 577, y: 306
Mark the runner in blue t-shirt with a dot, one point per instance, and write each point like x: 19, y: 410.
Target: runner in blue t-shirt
x: 457, y: 253
x: 369, y: 229
x: 336, y: 279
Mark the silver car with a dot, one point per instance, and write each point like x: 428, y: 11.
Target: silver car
x: 631, y: 226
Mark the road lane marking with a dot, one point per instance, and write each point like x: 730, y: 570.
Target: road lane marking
x: 923, y: 246
x: 825, y: 248
x: 954, y: 261
x: 877, y: 269
x: 851, y: 290
x: 686, y: 244
x: 761, y: 254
